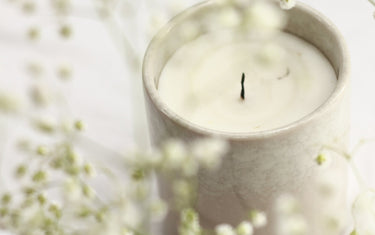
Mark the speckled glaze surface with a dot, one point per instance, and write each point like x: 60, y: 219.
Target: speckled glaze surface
x: 261, y: 165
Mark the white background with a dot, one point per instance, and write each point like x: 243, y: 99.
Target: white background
x: 101, y: 88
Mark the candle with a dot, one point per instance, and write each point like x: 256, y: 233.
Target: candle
x: 276, y: 113
x: 202, y: 81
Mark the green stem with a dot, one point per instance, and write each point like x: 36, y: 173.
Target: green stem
x: 372, y: 2
x: 361, y: 183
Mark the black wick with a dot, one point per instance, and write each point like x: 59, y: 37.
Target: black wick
x: 242, y: 87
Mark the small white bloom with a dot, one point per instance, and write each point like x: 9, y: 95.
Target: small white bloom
x: 287, y: 4
x: 209, y: 152
x: 127, y: 232
x: 258, y: 218
x: 157, y: 20
x: 270, y: 54
x: 190, y: 167
x: 265, y: 17
x: 293, y: 225
x: 9, y: 103
x: 245, y: 228
x: 175, y: 153
x: 224, y: 229
x: 131, y: 215
x: 46, y: 124
x: 364, y: 212
x: 181, y: 189
x: 230, y: 17
x: 158, y: 209
x: 40, y: 95
x: 189, y: 223
x: 89, y: 170
x: 72, y: 189
x: 189, y: 31
x: 286, y: 205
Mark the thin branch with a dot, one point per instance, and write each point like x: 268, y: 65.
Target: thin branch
x: 372, y: 2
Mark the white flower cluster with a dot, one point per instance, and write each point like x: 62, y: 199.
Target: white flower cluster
x: 205, y: 153
x: 189, y: 223
x: 244, y: 228
x: 287, y: 4
x: 363, y: 211
x: 265, y: 17
x: 257, y: 219
x: 289, y: 218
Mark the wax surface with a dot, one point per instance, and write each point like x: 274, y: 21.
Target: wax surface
x: 286, y: 79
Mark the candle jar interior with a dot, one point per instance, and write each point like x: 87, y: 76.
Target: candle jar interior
x: 306, y: 24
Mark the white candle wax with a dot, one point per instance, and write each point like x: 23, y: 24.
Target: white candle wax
x: 202, y: 81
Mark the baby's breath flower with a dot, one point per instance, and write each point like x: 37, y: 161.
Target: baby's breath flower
x: 158, y: 209
x: 89, y: 170
x: 87, y: 191
x: 189, y: 223
x: 157, y: 20
x: 55, y: 210
x: 286, y: 205
x: 24, y: 145
x: 189, y: 31
x: 287, y: 4
x: 20, y: 171
x: 61, y: 6
x: 270, y: 54
x: 33, y: 33
x: 45, y: 124
x: 245, y: 228
x: 42, y: 150
x: 64, y: 72
x: 65, y: 31
x: 28, y: 7
x: 40, y: 95
x: 265, y: 17
x: 6, y: 199
x: 8, y: 103
x: 354, y: 232
x: 79, y: 125
x: 41, y: 199
x: 224, y: 229
x: 39, y: 176
x: 294, y: 225
x: 28, y: 191
x: 72, y: 189
x: 181, y: 188
x: 363, y: 211
x: 190, y: 167
x: 209, y: 152
x: 230, y: 17
x: 138, y: 174
x: 34, y: 69
x: 289, y: 218
x: 73, y: 158
x: 126, y: 231
x: 3, y: 211
x: 258, y: 218
x: 183, y: 193
x: 175, y: 153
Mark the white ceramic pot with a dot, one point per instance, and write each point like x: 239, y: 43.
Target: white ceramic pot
x: 262, y: 165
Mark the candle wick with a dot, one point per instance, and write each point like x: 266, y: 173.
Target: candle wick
x: 285, y: 75
x: 242, y: 87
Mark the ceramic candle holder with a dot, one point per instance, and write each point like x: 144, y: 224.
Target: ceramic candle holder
x: 261, y: 166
